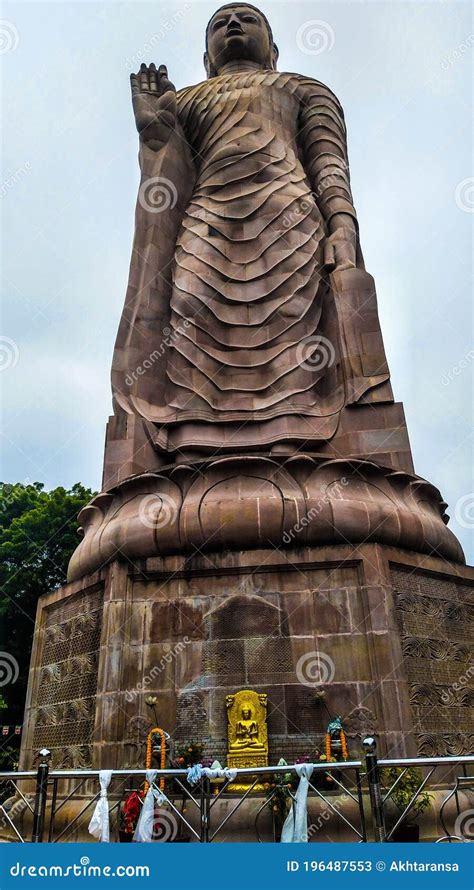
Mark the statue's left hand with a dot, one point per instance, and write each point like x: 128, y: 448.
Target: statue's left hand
x: 340, y: 249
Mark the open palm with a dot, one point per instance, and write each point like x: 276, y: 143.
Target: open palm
x: 154, y: 104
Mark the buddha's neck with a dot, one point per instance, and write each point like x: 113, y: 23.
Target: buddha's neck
x: 238, y: 65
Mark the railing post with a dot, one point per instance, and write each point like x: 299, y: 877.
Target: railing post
x: 360, y: 799
x: 205, y: 810
x: 53, y: 810
x: 375, y: 792
x: 41, y: 796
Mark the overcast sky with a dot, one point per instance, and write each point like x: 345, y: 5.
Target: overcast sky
x: 69, y: 183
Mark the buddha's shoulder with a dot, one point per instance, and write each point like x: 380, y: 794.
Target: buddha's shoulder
x: 304, y: 86
x: 309, y: 89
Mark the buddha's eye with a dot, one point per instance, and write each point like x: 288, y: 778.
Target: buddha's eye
x: 248, y: 17
x: 218, y: 24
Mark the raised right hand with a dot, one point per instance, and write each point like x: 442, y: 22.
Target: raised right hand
x: 154, y: 105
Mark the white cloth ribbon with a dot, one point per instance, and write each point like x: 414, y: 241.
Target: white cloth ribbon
x: 144, y: 829
x: 99, y: 825
x: 197, y: 772
x: 295, y: 827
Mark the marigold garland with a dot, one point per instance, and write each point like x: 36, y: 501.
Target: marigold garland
x: 343, y: 745
x: 328, y: 747
x: 342, y: 737
x: 149, y: 753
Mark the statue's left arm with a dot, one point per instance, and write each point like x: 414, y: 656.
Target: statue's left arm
x: 322, y: 138
x: 323, y: 150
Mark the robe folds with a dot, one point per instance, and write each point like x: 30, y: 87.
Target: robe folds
x: 229, y: 336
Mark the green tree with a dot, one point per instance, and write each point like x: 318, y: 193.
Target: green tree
x: 38, y: 533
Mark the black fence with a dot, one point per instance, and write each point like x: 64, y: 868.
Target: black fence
x: 367, y: 799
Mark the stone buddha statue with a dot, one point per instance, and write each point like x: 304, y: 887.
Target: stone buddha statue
x: 249, y: 373
x: 244, y: 208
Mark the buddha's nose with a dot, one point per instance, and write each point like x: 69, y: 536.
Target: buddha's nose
x: 233, y: 23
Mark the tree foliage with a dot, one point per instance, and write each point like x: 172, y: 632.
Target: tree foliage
x: 38, y: 533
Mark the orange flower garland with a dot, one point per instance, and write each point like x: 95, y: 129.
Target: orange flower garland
x: 343, y: 745
x: 343, y: 739
x: 328, y: 747
x: 149, y: 753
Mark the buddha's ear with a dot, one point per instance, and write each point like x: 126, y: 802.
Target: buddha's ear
x: 210, y: 70
x: 275, y: 55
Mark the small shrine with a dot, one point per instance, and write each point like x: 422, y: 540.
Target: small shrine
x: 247, y: 734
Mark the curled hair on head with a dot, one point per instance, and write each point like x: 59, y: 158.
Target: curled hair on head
x: 211, y: 71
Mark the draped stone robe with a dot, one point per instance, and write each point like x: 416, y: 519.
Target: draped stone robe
x: 229, y: 337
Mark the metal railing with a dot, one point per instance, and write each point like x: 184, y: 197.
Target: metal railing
x: 356, y: 787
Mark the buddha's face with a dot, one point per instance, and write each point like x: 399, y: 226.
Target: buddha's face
x: 246, y: 713
x: 238, y: 32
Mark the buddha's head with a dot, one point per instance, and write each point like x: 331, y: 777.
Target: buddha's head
x: 246, y: 712
x: 239, y: 32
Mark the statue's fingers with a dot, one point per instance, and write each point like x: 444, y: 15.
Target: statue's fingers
x: 152, y: 75
x: 167, y: 85
x: 345, y: 264
x: 144, y: 82
x: 345, y: 255
x: 135, y: 84
x: 329, y: 255
x: 168, y: 100
x: 164, y: 81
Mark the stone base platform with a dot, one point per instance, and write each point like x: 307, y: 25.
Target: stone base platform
x: 376, y: 634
